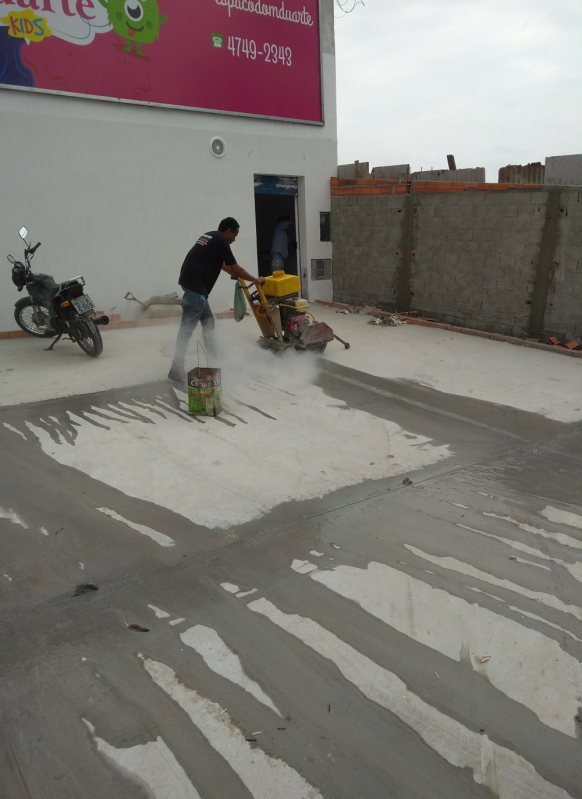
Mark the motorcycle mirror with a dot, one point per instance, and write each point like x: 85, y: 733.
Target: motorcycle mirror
x: 11, y: 258
x: 23, y: 233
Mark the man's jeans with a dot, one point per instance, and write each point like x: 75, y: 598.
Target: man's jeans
x: 194, y: 309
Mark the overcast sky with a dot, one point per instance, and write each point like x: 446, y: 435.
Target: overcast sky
x: 494, y: 82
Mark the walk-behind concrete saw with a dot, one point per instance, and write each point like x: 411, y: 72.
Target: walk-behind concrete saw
x: 283, y: 317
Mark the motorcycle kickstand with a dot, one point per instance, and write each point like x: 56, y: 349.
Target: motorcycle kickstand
x: 58, y: 338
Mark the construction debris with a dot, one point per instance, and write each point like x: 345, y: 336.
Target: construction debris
x: 137, y: 629
x: 392, y: 320
x: 84, y: 588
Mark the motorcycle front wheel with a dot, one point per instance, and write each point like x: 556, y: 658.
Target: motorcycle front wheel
x: 23, y: 314
x: 89, y: 338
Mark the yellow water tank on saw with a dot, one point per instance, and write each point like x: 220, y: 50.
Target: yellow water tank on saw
x: 280, y: 284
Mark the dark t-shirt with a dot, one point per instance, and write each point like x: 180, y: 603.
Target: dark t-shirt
x: 203, y: 263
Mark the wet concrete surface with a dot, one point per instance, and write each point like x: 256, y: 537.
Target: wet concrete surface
x: 470, y: 530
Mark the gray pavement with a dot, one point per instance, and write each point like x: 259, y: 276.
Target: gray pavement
x: 402, y: 640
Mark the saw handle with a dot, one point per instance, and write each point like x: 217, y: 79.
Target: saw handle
x: 345, y: 343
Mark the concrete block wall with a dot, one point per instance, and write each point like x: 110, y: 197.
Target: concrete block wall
x: 564, y: 170
x: 473, y: 261
x: 480, y: 259
x: 367, y: 234
x: 564, y: 306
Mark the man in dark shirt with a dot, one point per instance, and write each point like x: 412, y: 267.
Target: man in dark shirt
x: 199, y: 273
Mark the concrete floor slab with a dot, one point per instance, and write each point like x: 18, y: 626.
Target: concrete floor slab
x: 398, y: 627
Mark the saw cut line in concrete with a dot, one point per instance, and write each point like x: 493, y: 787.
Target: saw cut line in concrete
x: 524, y: 664
x: 160, y: 538
x: 507, y: 774
x: 423, y: 406
x: 466, y: 568
x: 563, y: 517
x: 543, y: 621
x: 561, y: 538
x: 266, y: 777
x: 575, y: 568
x: 241, y: 594
x: 151, y: 765
x: 222, y: 660
x: 466, y: 366
x: 303, y: 566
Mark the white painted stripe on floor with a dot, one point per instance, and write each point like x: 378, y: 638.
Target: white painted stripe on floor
x: 562, y: 517
x: 246, y: 593
x: 465, y: 568
x: 531, y: 563
x: 15, y: 430
x: 508, y: 775
x: 561, y: 538
x: 223, y: 661
x: 161, y: 614
x: 151, y: 765
x: 160, y: 538
x: 176, y: 621
x: 265, y: 777
x: 525, y: 665
x: 10, y: 516
x: 230, y: 587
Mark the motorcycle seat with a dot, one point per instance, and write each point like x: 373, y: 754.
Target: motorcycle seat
x: 45, y: 286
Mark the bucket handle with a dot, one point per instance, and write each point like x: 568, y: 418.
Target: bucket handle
x: 198, y: 346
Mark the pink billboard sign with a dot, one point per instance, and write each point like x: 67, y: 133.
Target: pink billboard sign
x: 236, y: 56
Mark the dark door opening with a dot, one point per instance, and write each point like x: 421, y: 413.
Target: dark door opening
x: 275, y: 198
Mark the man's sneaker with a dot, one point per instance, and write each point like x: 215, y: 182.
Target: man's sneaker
x: 179, y: 375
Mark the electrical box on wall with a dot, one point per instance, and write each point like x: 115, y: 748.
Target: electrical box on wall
x: 321, y: 269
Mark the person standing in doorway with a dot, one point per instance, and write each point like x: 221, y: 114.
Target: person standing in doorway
x: 280, y: 243
x: 199, y: 273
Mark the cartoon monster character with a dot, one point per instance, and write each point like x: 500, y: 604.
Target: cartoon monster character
x: 136, y: 20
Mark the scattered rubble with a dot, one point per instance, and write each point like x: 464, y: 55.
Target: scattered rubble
x: 84, y: 588
x: 392, y: 320
x: 137, y: 629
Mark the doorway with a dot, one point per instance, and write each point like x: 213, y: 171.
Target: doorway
x: 276, y: 199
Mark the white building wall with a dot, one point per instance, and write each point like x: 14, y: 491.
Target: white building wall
x: 120, y: 192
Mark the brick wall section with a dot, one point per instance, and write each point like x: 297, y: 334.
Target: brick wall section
x: 473, y: 258
x: 564, y: 309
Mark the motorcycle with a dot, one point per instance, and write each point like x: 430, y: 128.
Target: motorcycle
x: 55, y: 309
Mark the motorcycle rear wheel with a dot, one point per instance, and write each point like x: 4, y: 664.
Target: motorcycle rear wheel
x: 89, y: 338
x: 23, y: 312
